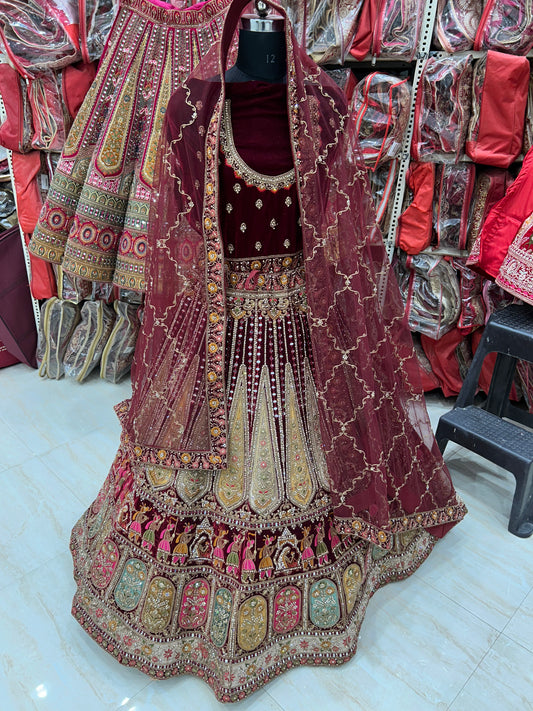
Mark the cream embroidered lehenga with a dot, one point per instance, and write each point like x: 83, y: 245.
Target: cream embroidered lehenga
x: 276, y: 466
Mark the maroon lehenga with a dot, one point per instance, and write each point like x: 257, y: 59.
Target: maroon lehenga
x: 236, y: 562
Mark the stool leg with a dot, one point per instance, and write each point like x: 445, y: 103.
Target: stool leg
x: 500, y: 385
x: 470, y: 383
x: 521, y: 519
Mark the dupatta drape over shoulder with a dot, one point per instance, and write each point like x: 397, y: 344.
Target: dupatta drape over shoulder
x: 385, y: 471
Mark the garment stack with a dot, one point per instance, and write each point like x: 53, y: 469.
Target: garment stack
x: 464, y: 151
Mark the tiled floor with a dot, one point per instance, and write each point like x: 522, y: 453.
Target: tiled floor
x: 457, y: 635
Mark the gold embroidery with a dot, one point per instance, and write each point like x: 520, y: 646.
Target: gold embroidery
x: 287, y: 243
x: 243, y: 227
x: 164, y: 93
x: 351, y: 580
x: 229, y: 207
x: 111, y: 156
x: 259, y: 204
x: 288, y: 201
x: 273, y: 223
x: 229, y: 483
x: 265, y: 485
x: 252, y: 623
x: 158, y: 606
x: 192, y: 484
x: 315, y: 440
x: 258, y: 246
x: 242, y: 170
x: 158, y: 477
x: 300, y: 485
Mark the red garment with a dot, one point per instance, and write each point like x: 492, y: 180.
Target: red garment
x: 415, y: 225
x: 26, y: 172
x: 501, y: 84
x: 273, y: 428
x: 505, y: 220
x: 344, y: 259
x: 442, y: 356
x: 77, y: 79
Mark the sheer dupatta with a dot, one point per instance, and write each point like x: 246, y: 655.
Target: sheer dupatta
x: 385, y: 471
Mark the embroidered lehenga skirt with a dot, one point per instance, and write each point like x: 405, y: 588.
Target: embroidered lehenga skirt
x: 95, y: 219
x: 236, y: 575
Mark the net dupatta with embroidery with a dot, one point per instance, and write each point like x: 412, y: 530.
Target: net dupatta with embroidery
x: 385, y: 470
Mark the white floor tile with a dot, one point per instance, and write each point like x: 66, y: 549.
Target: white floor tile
x: 48, y: 662
x: 47, y: 413
x: 511, y: 665
x: 83, y: 463
x: 38, y: 513
x: 188, y: 693
x: 417, y: 649
x: 14, y: 450
x: 520, y: 627
x: 480, y: 565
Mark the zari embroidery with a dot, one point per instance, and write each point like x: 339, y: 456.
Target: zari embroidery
x: 242, y: 170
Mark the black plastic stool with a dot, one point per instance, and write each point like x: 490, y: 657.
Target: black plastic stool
x: 483, y: 430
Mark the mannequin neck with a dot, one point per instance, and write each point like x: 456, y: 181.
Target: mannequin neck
x: 262, y: 56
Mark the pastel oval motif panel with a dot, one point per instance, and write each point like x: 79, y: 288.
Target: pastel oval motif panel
x: 131, y: 585
x: 157, y: 607
x: 194, y: 604
x: 287, y: 609
x: 351, y: 581
x: 221, y: 616
x: 324, y: 609
x: 253, y: 615
x: 104, y: 564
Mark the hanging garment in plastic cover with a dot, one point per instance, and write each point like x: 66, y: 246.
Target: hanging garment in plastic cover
x: 50, y: 34
x: 88, y: 340
x: 506, y: 26
x: 325, y: 27
x: 430, y: 288
x: 456, y: 24
x: 442, y: 109
x: 454, y: 185
x: 380, y: 109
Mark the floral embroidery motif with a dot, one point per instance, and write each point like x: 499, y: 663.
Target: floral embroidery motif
x: 157, y: 608
x: 191, y: 484
x: 229, y: 483
x: 131, y: 585
x: 229, y: 207
x: 194, y: 604
x: 287, y: 243
x: 300, y: 485
x: 265, y: 486
x: 258, y: 246
x: 221, y: 616
x: 243, y: 227
x: 104, y: 564
x: 324, y: 609
x: 252, y: 623
x: 259, y: 203
x: 273, y: 223
x: 287, y: 609
x: 288, y: 201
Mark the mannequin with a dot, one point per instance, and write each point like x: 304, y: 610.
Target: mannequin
x: 262, y: 52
